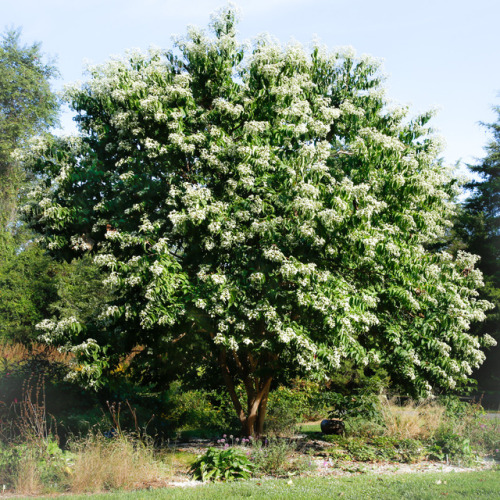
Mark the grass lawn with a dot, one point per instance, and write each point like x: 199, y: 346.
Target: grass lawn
x: 309, y: 428
x: 463, y: 485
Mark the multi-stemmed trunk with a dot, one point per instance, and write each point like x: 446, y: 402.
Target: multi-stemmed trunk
x: 253, y: 422
x: 256, y: 387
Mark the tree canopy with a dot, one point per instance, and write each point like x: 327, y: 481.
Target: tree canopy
x: 263, y: 204
x: 478, y: 227
x: 27, y: 107
x: 482, y: 208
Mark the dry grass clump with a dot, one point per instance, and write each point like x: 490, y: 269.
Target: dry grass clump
x: 121, y: 462
x: 413, y: 420
x: 14, y: 352
x: 28, y: 480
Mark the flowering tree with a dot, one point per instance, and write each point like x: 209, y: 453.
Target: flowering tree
x: 264, y: 204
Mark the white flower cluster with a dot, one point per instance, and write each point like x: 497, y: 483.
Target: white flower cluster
x: 86, y: 347
x: 488, y: 340
x: 254, y: 127
x: 56, y: 331
x: 274, y: 254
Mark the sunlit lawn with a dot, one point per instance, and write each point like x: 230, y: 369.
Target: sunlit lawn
x: 463, y: 485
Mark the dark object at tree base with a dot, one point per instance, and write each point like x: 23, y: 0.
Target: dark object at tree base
x: 332, y: 426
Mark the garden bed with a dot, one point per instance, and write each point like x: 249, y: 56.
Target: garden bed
x: 317, y: 454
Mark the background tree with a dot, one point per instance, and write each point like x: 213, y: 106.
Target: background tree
x: 264, y: 209
x: 27, y: 287
x: 33, y: 286
x: 478, y: 227
x: 28, y: 106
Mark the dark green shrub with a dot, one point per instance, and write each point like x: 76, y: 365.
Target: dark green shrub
x: 221, y: 401
x: 366, y: 406
x: 315, y: 399
x: 285, y: 409
x: 305, y: 400
x: 360, y: 426
x: 182, y: 410
x: 282, y: 419
x: 302, y: 401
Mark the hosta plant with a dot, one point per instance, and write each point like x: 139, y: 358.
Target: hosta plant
x: 225, y: 464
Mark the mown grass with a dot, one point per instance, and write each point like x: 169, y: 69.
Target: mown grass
x: 308, y: 428
x: 428, y: 486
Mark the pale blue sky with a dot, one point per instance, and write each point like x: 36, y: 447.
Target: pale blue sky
x: 441, y: 54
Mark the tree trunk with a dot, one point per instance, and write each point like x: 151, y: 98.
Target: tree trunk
x: 252, y: 421
x: 259, y: 424
x: 247, y: 426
